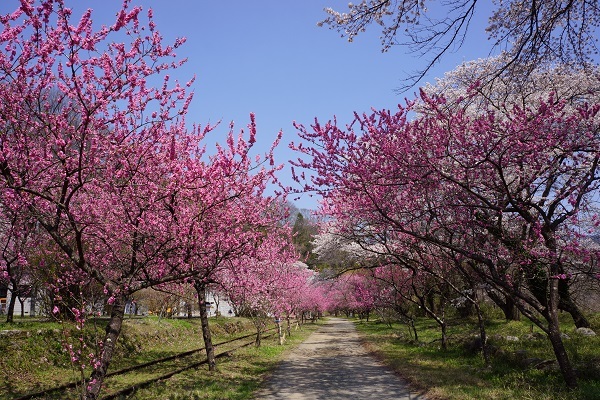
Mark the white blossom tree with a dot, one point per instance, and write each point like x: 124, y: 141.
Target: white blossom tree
x: 530, y: 32
x: 469, y: 86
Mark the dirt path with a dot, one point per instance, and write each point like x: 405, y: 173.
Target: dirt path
x: 332, y: 364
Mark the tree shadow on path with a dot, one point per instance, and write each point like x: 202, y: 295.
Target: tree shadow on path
x: 332, y: 364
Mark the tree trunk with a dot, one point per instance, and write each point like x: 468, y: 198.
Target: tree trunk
x: 32, y: 305
x: 425, y: 302
x: 113, y: 330
x: 280, y: 332
x: 562, y: 357
x: 540, y: 288
x: 444, y: 326
x: 208, y: 345
x: 258, y: 340
x: 431, y: 302
x: 511, y: 312
x: 10, y: 310
x: 482, y: 334
x: 565, y: 303
x: 555, y: 338
x: 444, y: 334
x: 22, y: 303
x: 217, y: 312
x: 506, y: 304
x: 578, y: 318
x: 414, y: 329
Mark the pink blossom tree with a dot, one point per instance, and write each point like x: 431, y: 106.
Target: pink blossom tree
x: 395, y: 285
x: 230, y: 219
x: 104, y: 163
x: 468, y: 87
x: 361, y: 297
x: 87, y: 149
x: 271, y: 283
x: 502, y: 194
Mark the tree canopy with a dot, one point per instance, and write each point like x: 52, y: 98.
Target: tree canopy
x: 529, y: 32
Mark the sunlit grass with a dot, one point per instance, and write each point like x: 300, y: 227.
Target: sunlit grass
x: 458, y: 374
x: 34, y: 359
x: 237, y: 376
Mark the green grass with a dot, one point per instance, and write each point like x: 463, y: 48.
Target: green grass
x: 34, y: 359
x: 459, y: 374
x: 28, y: 324
x: 236, y: 378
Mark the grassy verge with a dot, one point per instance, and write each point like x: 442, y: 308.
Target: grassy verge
x: 237, y: 378
x: 33, y: 357
x: 458, y: 373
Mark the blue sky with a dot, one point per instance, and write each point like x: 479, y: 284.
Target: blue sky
x: 269, y: 57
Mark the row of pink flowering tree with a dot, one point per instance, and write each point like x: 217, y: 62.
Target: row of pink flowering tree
x: 97, y: 163
x: 272, y: 283
x: 508, y: 195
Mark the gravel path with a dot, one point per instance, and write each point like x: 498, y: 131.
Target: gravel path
x: 332, y: 364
